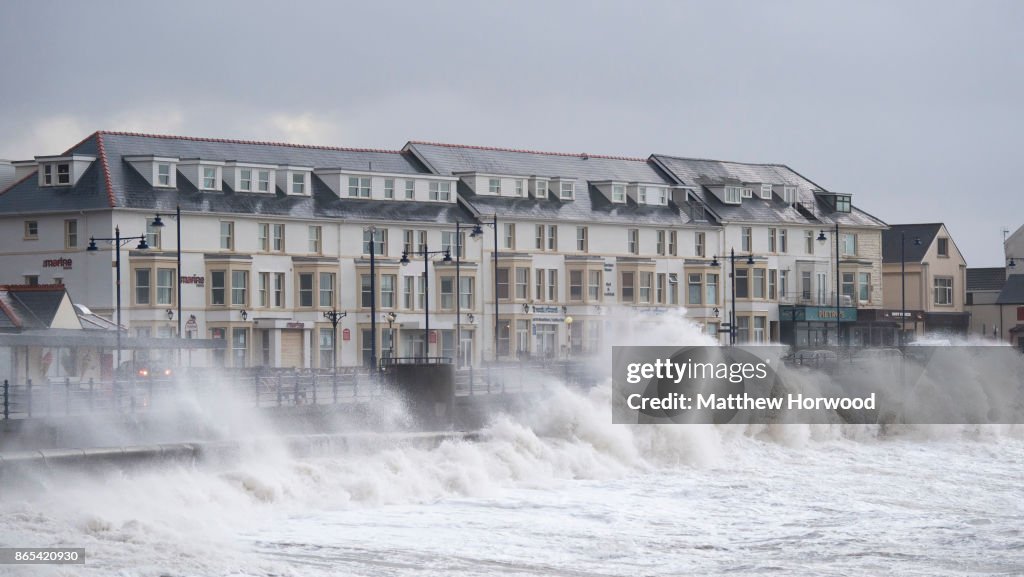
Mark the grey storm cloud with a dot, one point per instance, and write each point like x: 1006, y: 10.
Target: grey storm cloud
x: 913, y: 107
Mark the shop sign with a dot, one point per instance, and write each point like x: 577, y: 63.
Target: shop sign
x: 64, y: 263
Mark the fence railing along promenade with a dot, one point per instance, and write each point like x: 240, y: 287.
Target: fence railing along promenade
x: 260, y: 388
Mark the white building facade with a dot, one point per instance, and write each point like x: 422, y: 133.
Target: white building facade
x: 274, y: 236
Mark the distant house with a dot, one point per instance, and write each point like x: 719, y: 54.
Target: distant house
x: 41, y: 335
x: 931, y: 297
x: 983, y: 288
x: 44, y: 337
x: 1011, y: 311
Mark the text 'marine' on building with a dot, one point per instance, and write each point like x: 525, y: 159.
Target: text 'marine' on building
x: 282, y: 233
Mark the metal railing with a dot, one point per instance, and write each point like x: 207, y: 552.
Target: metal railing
x: 818, y: 300
x: 266, y: 388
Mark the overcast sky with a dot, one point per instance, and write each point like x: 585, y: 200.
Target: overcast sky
x: 913, y: 107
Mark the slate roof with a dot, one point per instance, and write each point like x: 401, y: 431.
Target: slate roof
x: 1013, y: 291
x: 986, y: 279
x: 29, y: 307
x: 699, y: 173
x: 892, y: 239
x: 589, y: 204
x: 112, y: 182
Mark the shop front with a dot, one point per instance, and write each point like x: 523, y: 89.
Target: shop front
x: 805, y: 327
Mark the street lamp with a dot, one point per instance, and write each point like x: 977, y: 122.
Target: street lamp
x: 335, y: 317
x: 373, y: 295
x: 117, y: 242
x: 477, y: 232
x: 732, y: 275
x: 568, y: 334
x: 390, y: 317
x: 903, y: 283
x: 159, y: 223
x: 823, y: 238
x: 426, y: 254
x: 474, y: 234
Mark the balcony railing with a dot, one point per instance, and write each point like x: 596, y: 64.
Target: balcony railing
x: 814, y: 299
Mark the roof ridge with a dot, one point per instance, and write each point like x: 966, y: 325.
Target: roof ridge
x: 528, y: 151
x: 250, y: 142
x: 31, y: 287
x: 14, y: 295
x: 918, y: 224
x: 105, y: 166
x: 777, y: 164
x: 11, y: 314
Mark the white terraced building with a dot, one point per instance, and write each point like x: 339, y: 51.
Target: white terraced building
x: 275, y: 235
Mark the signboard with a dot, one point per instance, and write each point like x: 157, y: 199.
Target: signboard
x: 433, y: 337
x: 346, y: 335
x: 909, y: 315
x: 820, y: 314
x: 64, y: 263
x: 193, y: 280
x: 191, y: 324
x: 295, y: 325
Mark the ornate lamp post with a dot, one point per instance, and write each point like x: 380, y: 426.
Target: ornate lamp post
x: 390, y: 317
x: 732, y: 275
x: 477, y: 232
x: 903, y: 284
x: 159, y: 223
x: 823, y: 238
x: 334, y: 317
x: 117, y: 242
x: 426, y: 254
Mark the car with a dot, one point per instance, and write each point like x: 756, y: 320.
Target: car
x: 143, y: 369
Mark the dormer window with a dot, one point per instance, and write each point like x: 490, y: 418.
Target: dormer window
x: 163, y: 174
x: 567, y: 190
x: 662, y: 197
x: 441, y: 191
x: 732, y: 194
x: 359, y: 186
x: 63, y: 171
x: 766, y: 191
x: 59, y: 170
x: 540, y: 188
x: 618, y: 193
x: 842, y: 203
x: 641, y: 195
x: 298, y: 183
x: 520, y: 188
x: 789, y: 194
x: 295, y: 180
x: 494, y: 185
x: 748, y: 192
x: 209, y: 178
x: 252, y: 179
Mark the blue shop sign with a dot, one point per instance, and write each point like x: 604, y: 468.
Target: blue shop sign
x: 818, y: 314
